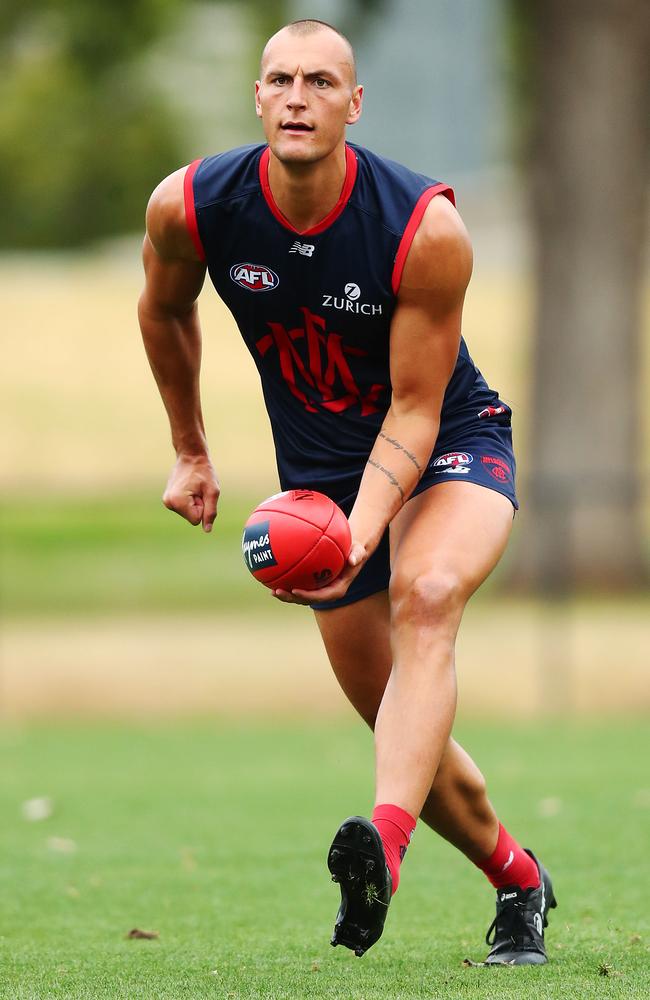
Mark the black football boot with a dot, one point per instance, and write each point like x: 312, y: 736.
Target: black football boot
x: 357, y: 862
x: 518, y: 928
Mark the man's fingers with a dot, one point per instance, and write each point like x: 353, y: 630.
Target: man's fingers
x: 186, y: 505
x: 192, y: 491
x: 291, y: 597
x: 339, y: 587
x: 191, y: 509
x: 209, y: 509
x: 195, y: 510
x: 357, y: 554
x: 331, y: 593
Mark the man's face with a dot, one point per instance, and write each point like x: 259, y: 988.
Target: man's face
x: 307, y: 95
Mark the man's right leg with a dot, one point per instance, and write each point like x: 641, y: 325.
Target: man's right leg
x: 357, y: 640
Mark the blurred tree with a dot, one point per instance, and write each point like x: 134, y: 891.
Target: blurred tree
x: 83, y: 137
x: 84, y: 133
x: 585, y: 78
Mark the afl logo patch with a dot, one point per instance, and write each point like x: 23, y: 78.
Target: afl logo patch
x: 254, y: 277
x: 454, y: 458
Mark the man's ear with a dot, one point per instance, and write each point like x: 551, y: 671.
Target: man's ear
x: 356, y: 102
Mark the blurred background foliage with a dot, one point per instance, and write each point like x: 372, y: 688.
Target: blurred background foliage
x: 88, y: 125
x: 84, y: 136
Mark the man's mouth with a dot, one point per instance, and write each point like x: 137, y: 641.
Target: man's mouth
x: 296, y: 127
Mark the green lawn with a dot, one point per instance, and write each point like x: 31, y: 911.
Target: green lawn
x: 68, y: 556
x: 101, y: 556
x: 215, y: 834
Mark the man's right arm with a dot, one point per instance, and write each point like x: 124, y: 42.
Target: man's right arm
x: 169, y: 322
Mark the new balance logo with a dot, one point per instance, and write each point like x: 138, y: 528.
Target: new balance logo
x: 305, y: 249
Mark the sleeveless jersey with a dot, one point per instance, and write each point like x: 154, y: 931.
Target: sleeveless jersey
x: 315, y: 308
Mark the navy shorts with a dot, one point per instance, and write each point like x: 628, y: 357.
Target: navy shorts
x: 482, y: 454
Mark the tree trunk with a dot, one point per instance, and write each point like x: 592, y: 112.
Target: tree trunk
x: 589, y: 172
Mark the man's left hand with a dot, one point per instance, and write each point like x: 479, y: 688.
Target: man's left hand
x: 335, y: 590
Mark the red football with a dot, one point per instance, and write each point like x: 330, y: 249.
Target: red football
x: 298, y: 539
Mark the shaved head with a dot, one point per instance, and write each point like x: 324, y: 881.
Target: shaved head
x: 307, y: 93
x: 311, y: 26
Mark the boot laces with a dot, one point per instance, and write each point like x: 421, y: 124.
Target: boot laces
x: 509, y: 922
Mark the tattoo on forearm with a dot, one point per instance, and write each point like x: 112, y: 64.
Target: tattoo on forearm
x: 400, y: 447
x: 388, y: 474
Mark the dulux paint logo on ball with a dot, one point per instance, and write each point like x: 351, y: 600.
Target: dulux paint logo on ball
x: 256, y: 546
x: 254, y: 277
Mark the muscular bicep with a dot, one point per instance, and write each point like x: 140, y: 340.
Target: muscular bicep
x: 426, y: 326
x: 172, y: 284
x: 424, y: 349
x: 173, y: 272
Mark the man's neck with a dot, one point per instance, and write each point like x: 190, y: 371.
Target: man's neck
x: 306, y: 192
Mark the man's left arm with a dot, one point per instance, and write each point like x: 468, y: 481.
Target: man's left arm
x: 424, y: 343
x: 425, y: 338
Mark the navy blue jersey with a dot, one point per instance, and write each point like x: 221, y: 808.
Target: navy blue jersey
x: 315, y: 308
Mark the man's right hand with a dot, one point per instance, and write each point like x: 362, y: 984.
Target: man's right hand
x: 193, y: 490
x: 171, y: 333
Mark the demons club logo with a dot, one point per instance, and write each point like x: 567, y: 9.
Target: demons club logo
x: 497, y: 468
x: 319, y: 373
x: 254, y: 277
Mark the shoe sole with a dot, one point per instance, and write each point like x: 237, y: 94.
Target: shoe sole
x: 357, y: 863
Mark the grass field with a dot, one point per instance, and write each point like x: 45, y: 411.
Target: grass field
x: 74, y: 556
x: 214, y: 835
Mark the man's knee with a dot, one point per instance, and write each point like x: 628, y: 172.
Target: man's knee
x: 428, y: 598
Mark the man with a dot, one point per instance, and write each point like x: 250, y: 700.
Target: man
x: 346, y: 274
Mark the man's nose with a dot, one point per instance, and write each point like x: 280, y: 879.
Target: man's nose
x: 296, y: 96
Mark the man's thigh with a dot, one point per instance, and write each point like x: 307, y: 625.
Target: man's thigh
x: 453, y: 531
x: 357, y: 641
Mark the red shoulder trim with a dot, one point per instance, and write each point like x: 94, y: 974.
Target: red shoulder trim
x: 190, y: 209
x: 412, y: 228
x: 344, y: 197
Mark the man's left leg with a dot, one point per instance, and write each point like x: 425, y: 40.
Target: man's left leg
x: 446, y: 541
x: 444, y: 544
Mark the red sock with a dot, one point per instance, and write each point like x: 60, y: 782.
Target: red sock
x: 510, y: 865
x: 396, y: 828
